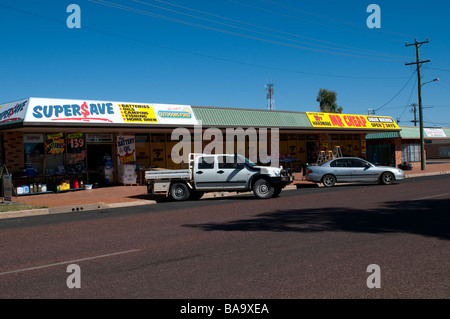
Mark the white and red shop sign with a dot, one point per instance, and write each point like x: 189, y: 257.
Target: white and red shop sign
x: 42, y: 110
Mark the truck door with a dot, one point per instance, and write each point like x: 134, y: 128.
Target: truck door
x: 205, y: 172
x: 231, y: 174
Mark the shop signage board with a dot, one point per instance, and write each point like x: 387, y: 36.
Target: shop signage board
x: 126, y: 147
x: 43, y: 110
x: 350, y: 121
x: 99, y: 138
x: 7, y: 187
x: 14, y: 111
x: 55, y: 143
x: 434, y: 132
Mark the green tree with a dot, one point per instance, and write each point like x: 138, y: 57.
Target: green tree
x: 327, y: 101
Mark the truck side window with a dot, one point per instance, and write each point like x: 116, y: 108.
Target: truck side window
x: 206, y: 162
x: 229, y: 162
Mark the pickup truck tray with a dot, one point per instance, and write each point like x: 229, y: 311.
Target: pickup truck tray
x: 169, y: 174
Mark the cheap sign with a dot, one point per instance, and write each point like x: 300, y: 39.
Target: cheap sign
x: 333, y: 120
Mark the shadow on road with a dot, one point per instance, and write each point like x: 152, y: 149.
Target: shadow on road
x: 421, y: 217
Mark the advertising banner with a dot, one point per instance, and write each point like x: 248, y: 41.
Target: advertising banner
x: 7, y: 187
x: 434, y: 132
x: 346, y: 121
x: 14, y: 111
x: 54, y: 143
x: 126, y: 146
x: 41, y: 110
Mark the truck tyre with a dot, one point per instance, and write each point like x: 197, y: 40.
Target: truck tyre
x: 179, y: 191
x: 263, y: 189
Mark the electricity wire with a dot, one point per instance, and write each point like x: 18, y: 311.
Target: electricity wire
x: 265, y: 28
x: 181, y: 21
x: 396, y: 93
x: 201, y: 54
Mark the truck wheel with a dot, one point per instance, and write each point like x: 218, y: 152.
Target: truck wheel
x: 179, y: 191
x: 263, y: 189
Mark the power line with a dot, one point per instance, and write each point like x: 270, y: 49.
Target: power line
x: 181, y: 21
x: 217, y: 58
x: 409, y: 99
x: 315, y: 21
x: 395, y: 94
x: 263, y: 27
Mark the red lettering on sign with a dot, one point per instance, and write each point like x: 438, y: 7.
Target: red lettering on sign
x: 336, y: 120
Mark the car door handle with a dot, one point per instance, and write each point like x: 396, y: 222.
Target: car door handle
x: 220, y: 172
x: 199, y: 172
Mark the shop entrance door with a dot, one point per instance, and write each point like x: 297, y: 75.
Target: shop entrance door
x: 382, y: 154
x: 96, y: 154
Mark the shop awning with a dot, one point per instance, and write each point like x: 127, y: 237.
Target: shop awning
x: 97, y: 113
x: 43, y: 111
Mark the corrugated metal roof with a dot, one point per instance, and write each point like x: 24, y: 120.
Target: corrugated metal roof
x: 407, y: 132
x: 216, y: 116
x: 381, y: 135
x: 410, y: 132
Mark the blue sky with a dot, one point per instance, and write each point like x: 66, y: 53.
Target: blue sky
x: 223, y: 53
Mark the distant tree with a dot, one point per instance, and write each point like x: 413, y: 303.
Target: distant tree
x: 327, y: 101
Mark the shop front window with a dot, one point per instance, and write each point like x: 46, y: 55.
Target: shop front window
x: 54, y: 153
x: 143, y: 150
x: 76, y: 152
x: 34, y: 151
x: 158, y: 150
x: 410, y: 152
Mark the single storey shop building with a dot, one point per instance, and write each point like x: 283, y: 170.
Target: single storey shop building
x: 96, y: 142
x: 389, y: 148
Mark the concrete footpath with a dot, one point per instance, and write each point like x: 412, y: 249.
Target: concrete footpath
x: 123, y: 196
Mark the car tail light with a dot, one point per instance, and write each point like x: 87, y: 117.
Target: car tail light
x: 308, y: 171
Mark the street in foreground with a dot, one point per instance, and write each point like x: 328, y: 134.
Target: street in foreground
x: 353, y: 241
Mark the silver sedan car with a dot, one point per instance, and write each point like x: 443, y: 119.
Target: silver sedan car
x: 352, y: 169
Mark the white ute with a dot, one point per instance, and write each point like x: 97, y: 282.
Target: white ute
x: 218, y: 172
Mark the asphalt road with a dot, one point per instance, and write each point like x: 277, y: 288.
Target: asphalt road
x: 307, y: 243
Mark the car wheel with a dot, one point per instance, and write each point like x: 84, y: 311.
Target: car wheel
x: 263, y: 189
x: 179, y: 191
x: 328, y: 180
x: 387, y: 178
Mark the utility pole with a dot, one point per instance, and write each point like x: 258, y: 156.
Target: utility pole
x: 414, y: 110
x: 418, y: 64
x: 414, y: 107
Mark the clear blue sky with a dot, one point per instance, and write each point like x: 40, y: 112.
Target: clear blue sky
x: 223, y: 53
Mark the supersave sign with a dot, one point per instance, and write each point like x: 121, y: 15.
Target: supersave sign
x: 334, y: 120
x: 41, y: 110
